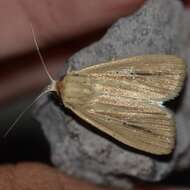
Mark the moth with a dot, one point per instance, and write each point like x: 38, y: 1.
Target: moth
x: 124, y: 98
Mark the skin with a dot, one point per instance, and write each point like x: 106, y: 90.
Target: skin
x: 36, y: 176
x: 54, y: 21
x: 54, y: 27
x: 66, y: 25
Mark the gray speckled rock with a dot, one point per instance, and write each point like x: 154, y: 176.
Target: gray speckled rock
x: 160, y: 26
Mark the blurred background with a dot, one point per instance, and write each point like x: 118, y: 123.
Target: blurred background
x: 22, y: 78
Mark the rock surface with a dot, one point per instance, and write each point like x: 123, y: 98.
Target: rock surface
x: 160, y: 26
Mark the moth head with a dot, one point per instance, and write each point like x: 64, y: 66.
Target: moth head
x: 54, y: 86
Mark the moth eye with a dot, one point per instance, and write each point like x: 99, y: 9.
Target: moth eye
x: 124, y: 123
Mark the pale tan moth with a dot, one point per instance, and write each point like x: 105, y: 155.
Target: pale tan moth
x: 124, y: 98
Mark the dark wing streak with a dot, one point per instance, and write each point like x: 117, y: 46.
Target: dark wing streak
x: 165, y: 86
x: 157, y: 121
x: 137, y: 84
x: 155, y: 145
x: 137, y: 126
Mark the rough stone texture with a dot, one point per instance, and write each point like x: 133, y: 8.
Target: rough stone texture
x: 160, y: 26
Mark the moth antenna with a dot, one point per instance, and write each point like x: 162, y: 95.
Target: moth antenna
x: 24, y: 111
x: 51, y: 87
x: 40, y: 55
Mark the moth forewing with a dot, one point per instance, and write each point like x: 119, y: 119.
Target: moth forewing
x: 122, y: 98
x: 155, y: 134
x: 159, y: 77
